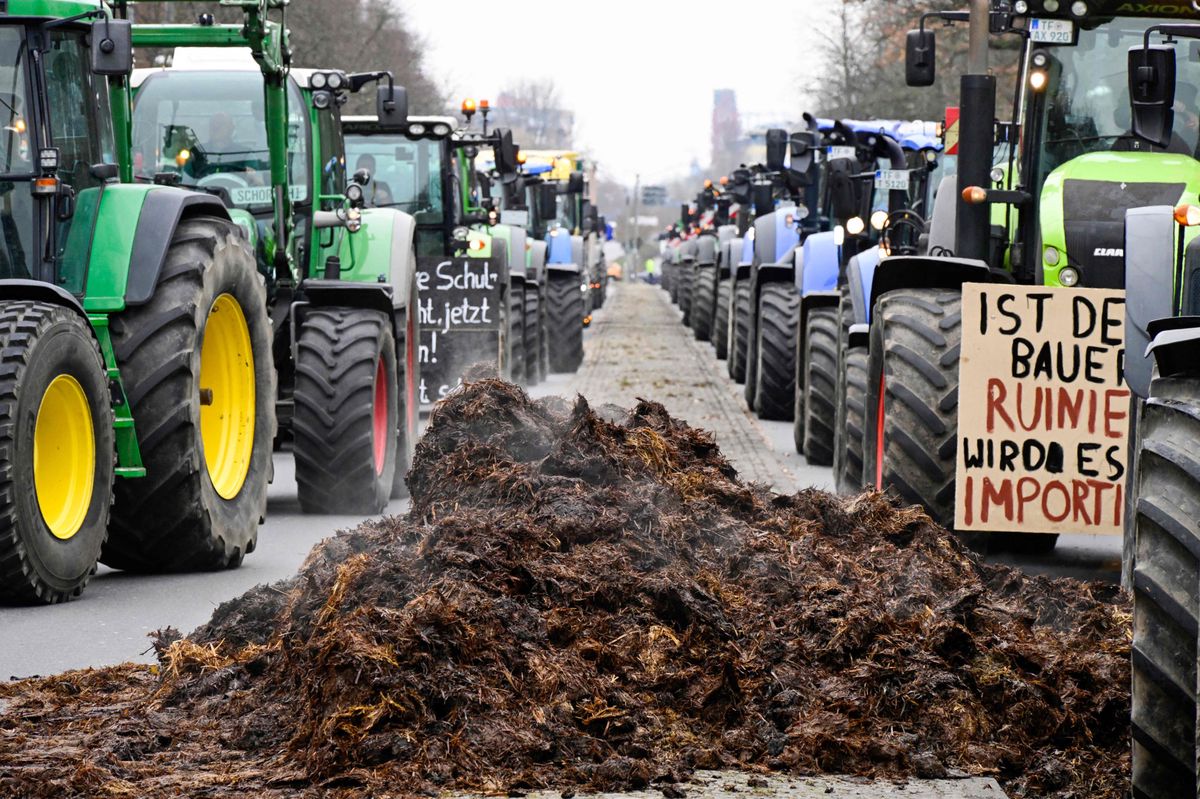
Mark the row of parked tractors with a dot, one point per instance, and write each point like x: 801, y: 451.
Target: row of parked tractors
x: 832, y: 277
x: 205, y: 261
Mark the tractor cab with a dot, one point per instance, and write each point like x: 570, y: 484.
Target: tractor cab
x: 57, y: 150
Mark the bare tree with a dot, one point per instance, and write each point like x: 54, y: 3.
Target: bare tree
x: 864, y: 63
x: 537, y: 114
x: 352, y: 35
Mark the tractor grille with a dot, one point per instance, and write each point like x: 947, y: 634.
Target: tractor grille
x: 1094, y: 216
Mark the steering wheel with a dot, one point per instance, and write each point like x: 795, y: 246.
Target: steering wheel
x: 223, y: 180
x: 900, y: 220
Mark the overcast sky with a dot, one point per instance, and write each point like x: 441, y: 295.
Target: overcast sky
x: 639, y: 74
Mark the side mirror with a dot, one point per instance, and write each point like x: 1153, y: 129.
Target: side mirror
x: 777, y: 147
x: 506, y: 156
x: 391, y: 106
x: 112, y: 47
x: 575, y: 183
x: 547, y: 201
x: 843, y: 198
x: 763, y: 195
x: 803, y: 151
x: 1152, y: 93
x: 920, y: 57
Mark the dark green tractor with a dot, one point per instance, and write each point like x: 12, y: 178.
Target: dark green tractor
x: 138, y: 388
x: 233, y: 118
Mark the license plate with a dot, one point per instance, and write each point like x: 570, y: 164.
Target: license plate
x: 1051, y: 31
x: 892, y: 179
x: 262, y: 195
x: 839, y: 153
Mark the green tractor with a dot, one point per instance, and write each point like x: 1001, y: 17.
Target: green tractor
x: 1053, y: 217
x: 265, y: 140
x: 428, y: 168
x: 138, y: 388
x: 1097, y: 171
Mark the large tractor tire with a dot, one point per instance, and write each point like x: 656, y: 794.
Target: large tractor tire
x: 1165, y: 581
x: 516, y: 333
x: 347, y: 411
x: 199, y: 373
x: 851, y: 407
x: 817, y: 396
x: 778, y: 318
x: 687, y: 280
x: 673, y: 288
x: 544, y: 331
x: 720, y: 333
x: 533, y: 332
x: 564, y: 315
x: 704, y: 297
x: 408, y: 362
x: 740, y: 328
x: 56, y: 430
x: 911, y: 443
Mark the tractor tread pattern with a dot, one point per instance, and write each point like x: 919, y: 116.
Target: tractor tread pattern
x: 779, y: 316
x: 720, y: 333
x: 564, y: 323
x: 703, y: 300
x: 739, y: 347
x: 22, y: 322
x: 819, y: 391
x: 155, y: 345
x: 916, y: 335
x: 337, y: 357
x: 1166, y: 605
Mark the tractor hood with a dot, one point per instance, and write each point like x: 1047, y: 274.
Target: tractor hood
x: 1083, y: 207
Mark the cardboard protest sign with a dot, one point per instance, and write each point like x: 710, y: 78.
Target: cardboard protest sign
x: 461, y: 314
x: 1043, y: 413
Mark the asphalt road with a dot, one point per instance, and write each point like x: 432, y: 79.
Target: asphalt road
x: 110, y: 623
x: 636, y: 347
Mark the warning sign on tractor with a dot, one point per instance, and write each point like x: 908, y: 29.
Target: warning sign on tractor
x: 1043, y: 410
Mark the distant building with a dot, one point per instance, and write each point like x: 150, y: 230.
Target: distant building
x: 726, y: 129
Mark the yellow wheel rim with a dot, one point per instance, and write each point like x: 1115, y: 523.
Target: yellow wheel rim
x: 64, y: 456
x: 227, y: 396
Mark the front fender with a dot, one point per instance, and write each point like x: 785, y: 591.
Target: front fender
x: 1175, y: 346
x: 381, y: 252
x: 925, y: 272
x: 40, y: 291
x: 817, y: 263
x: 860, y: 279
x: 126, y: 259
x: 1150, y: 265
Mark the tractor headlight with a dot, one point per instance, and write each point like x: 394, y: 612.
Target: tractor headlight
x: 1021, y: 7
x: 354, y: 193
x: 460, y: 233
x: 441, y: 129
x: 879, y: 220
x: 839, y: 235
x: 1050, y: 6
x: 997, y: 174
x: 318, y: 80
x: 322, y: 100
x: 337, y: 81
x: 1068, y: 276
x: 416, y: 129
x: 855, y: 226
x: 1051, y: 256
x: 1079, y: 8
